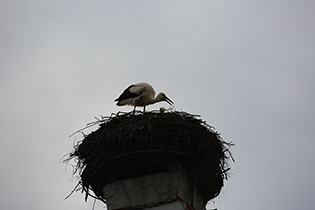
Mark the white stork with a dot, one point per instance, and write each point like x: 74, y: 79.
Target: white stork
x: 141, y: 94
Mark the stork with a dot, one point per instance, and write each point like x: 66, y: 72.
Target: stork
x: 141, y: 94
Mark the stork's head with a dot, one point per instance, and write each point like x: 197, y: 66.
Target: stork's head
x: 163, y: 97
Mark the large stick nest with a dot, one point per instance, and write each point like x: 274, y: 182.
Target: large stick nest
x: 131, y: 144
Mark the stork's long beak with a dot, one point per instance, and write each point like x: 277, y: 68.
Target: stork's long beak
x: 169, y: 101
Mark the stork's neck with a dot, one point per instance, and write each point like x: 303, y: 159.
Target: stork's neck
x: 158, y: 98
x: 155, y: 100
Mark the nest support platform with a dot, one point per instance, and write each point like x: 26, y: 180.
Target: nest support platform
x: 128, y: 145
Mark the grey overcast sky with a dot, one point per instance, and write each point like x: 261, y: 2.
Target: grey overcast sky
x: 247, y: 67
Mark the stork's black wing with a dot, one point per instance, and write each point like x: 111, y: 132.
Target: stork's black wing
x: 127, y: 94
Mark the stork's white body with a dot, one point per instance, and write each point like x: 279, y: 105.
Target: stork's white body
x: 140, y: 94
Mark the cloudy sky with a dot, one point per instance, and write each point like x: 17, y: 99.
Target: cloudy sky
x: 247, y: 67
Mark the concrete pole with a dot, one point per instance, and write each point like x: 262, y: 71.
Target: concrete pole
x: 169, y: 190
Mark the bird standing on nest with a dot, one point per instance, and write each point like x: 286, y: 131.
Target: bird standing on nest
x: 141, y: 94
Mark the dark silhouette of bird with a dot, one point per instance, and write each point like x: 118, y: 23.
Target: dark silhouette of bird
x: 141, y: 94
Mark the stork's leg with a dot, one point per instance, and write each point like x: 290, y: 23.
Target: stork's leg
x: 143, y: 109
x: 134, y: 109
